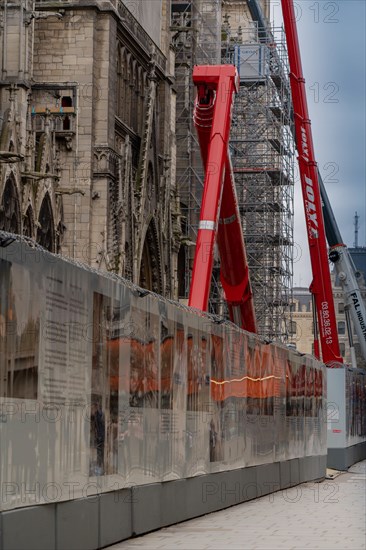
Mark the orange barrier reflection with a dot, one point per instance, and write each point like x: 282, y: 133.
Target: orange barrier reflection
x: 260, y: 382
x: 254, y: 372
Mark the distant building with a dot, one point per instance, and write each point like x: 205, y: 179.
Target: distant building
x: 359, y: 258
x: 301, y: 327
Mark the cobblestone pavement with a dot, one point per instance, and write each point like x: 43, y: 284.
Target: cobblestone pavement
x: 327, y: 515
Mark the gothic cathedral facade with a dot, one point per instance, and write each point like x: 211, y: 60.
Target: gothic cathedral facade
x: 87, y: 118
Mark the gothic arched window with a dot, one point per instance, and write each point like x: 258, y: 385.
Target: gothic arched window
x: 9, y: 208
x: 46, y: 230
x: 130, y: 93
x: 135, y: 98
x: 28, y: 223
x: 150, y: 271
x: 140, y: 100
x: 120, y: 77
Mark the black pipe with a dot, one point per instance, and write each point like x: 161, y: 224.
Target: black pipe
x: 257, y: 15
x: 331, y: 227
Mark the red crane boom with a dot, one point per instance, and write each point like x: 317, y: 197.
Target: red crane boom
x: 219, y: 217
x: 321, y: 287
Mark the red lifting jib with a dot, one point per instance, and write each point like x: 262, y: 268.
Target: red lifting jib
x: 321, y: 287
x: 216, y: 85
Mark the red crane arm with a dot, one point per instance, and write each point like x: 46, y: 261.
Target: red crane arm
x: 321, y: 286
x: 219, y: 217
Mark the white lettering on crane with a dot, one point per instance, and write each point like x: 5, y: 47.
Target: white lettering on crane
x: 357, y: 305
x: 311, y: 208
x: 304, y: 144
x: 309, y: 190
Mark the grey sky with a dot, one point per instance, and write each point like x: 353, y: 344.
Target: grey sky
x: 332, y: 42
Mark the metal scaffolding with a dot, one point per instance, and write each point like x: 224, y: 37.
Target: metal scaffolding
x: 196, y: 29
x: 263, y: 155
x: 262, y: 150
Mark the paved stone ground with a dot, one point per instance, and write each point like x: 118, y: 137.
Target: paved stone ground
x: 328, y: 515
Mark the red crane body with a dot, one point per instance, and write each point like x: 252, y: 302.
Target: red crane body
x: 321, y: 286
x: 220, y: 216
